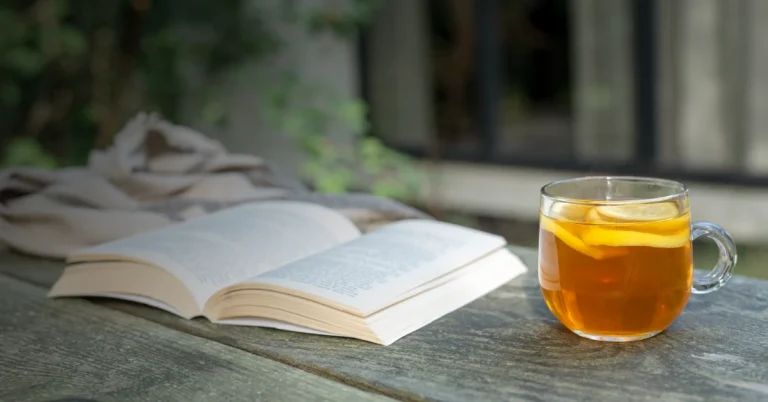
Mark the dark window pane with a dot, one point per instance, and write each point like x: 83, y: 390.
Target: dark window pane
x: 452, y: 41
x: 535, y: 104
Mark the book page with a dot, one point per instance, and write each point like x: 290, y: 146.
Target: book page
x: 379, y: 268
x: 220, y: 249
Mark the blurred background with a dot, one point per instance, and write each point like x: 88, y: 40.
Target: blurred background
x: 463, y: 108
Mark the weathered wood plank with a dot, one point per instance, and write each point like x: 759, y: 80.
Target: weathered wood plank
x: 508, y: 346
x: 73, y: 349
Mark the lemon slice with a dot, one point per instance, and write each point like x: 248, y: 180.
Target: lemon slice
x: 682, y: 222
x: 596, y: 236
x: 594, y: 217
x: 570, y: 212
x: 639, y: 212
x: 574, y: 242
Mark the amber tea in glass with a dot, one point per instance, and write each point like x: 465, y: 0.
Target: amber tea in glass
x: 615, y: 258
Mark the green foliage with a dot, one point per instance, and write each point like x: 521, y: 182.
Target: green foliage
x: 26, y: 152
x: 316, y: 118
x: 311, y: 115
x: 71, y: 75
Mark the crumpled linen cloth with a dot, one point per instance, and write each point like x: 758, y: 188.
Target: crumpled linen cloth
x: 155, y: 174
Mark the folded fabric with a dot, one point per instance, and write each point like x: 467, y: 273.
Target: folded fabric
x: 155, y: 173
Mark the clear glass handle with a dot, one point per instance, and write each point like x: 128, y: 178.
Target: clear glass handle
x: 722, y: 271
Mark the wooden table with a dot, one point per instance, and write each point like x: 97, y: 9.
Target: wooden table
x: 505, y: 346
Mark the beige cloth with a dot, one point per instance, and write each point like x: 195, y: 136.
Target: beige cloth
x: 155, y: 174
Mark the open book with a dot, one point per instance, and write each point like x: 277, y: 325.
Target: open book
x: 297, y: 266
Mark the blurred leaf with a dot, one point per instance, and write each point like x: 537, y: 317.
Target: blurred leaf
x: 329, y: 151
x: 14, y: 30
x: 214, y: 112
x: 316, y: 121
x: 371, y: 147
x: 391, y: 188
x: 370, y: 152
x: 27, y: 152
x: 313, y: 146
x: 61, y: 8
x: 25, y: 61
x: 277, y: 99
x: 293, y: 124
x: 353, y: 114
x: 10, y: 94
x: 337, y: 181
x: 82, y: 143
x: 72, y: 41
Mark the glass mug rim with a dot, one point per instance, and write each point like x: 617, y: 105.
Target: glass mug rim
x: 680, y: 190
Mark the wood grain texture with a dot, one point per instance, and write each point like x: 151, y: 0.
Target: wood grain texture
x: 54, y: 350
x: 507, y: 345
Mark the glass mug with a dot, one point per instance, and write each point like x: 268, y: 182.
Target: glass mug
x: 615, y: 258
